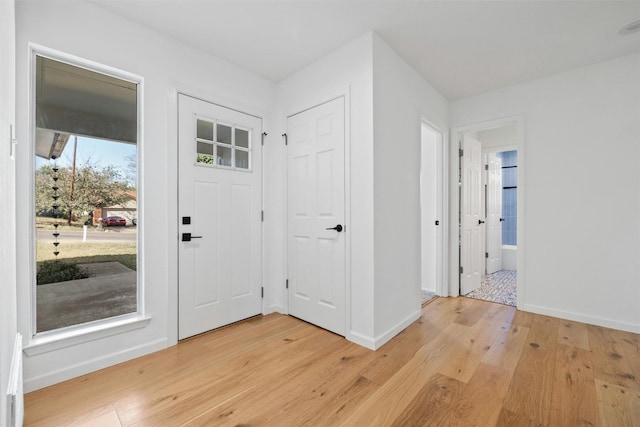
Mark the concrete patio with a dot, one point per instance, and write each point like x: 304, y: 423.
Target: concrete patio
x: 111, y: 291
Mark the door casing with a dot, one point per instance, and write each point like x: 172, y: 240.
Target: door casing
x: 181, y: 229
x: 454, y: 170
x: 316, y: 141
x: 292, y: 110
x: 440, y: 208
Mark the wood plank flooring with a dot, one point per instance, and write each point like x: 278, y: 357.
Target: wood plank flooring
x: 465, y: 362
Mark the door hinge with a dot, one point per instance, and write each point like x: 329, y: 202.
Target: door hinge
x: 486, y: 254
x: 262, y: 292
x: 286, y: 284
x: 460, y: 152
x: 286, y: 139
x: 262, y: 216
x: 263, y: 135
x: 461, y: 270
x: 486, y: 167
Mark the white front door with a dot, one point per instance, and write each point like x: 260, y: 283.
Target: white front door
x: 316, y: 213
x: 219, y: 207
x: 472, y: 220
x: 494, y: 213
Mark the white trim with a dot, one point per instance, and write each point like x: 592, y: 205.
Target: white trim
x: 442, y: 244
x: 381, y: 339
x: 362, y: 340
x: 347, y: 209
x: 374, y: 343
x: 80, y: 62
x: 345, y: 94
x: 174, y: 288
x: 92, y: 365
x: 180, y: 87
x: 38, y: 343
x: 446, y: 222
x: 62, y: 338
x: 274, y: 308
x: 456, y: 134
x: 577, y: 317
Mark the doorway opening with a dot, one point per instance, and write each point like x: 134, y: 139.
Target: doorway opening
x: 431, y: 195
x: 489, y: 214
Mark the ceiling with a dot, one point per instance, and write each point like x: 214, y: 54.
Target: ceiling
x: 461, y: 47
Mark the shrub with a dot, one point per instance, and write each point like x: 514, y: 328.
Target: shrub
x: 59, y: 271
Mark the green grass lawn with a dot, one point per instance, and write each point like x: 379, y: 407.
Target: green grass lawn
x: 88, y: 252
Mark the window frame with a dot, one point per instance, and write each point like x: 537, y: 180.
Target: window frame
x: 40, y: 342
x: 215, y: 144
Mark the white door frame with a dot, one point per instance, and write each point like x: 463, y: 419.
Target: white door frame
x: 442, y: 276
x: 173, y: 312
x: 291, y: 111
x: 454, y: 256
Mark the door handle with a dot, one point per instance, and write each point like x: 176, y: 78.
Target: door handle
x: 186, y: 237
x: 501, y: 219
x: 480, y: 222
x: 338, y: 228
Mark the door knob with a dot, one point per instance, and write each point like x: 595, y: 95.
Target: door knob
x: 186, y: 237
x: 338, y: 228
x: 480, y: 222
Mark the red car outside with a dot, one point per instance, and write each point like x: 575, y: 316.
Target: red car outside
x: 114, y: 220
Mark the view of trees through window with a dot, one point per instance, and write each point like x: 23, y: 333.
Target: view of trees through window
x: 85, y: 197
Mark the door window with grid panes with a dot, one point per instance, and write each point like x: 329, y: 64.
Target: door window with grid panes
x: 222, y: 145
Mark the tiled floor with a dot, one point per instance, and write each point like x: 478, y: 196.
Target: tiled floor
x: 498, y: 287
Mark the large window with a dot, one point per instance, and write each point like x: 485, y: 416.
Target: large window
x: 85, y: 195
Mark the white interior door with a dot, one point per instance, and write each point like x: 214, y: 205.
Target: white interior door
x: 431, y: 207
x: 219, y: 206
x: 316, y: 213
x: 494, y: 213
x: 472, y: 220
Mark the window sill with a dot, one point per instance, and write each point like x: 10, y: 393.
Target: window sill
x: 57, y: 340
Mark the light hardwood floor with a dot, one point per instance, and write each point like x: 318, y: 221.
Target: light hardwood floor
x: 464, y: 362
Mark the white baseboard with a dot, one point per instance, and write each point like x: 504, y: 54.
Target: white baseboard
x: 15, y: 394
x: 275, y: 308
x: 577, y: 317
x: 401, y: 326
x: 67, y: 373
x: 360, y: 339
x: 377, y: 342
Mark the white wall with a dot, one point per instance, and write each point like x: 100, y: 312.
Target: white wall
x: 502, y: 138
x: 167, y: 67
x: 8, y: 326
x: 386, y: 103
x: 581, y: 238
x: 402, y: 99
x: 347, y: 71
x: 509, y: 257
